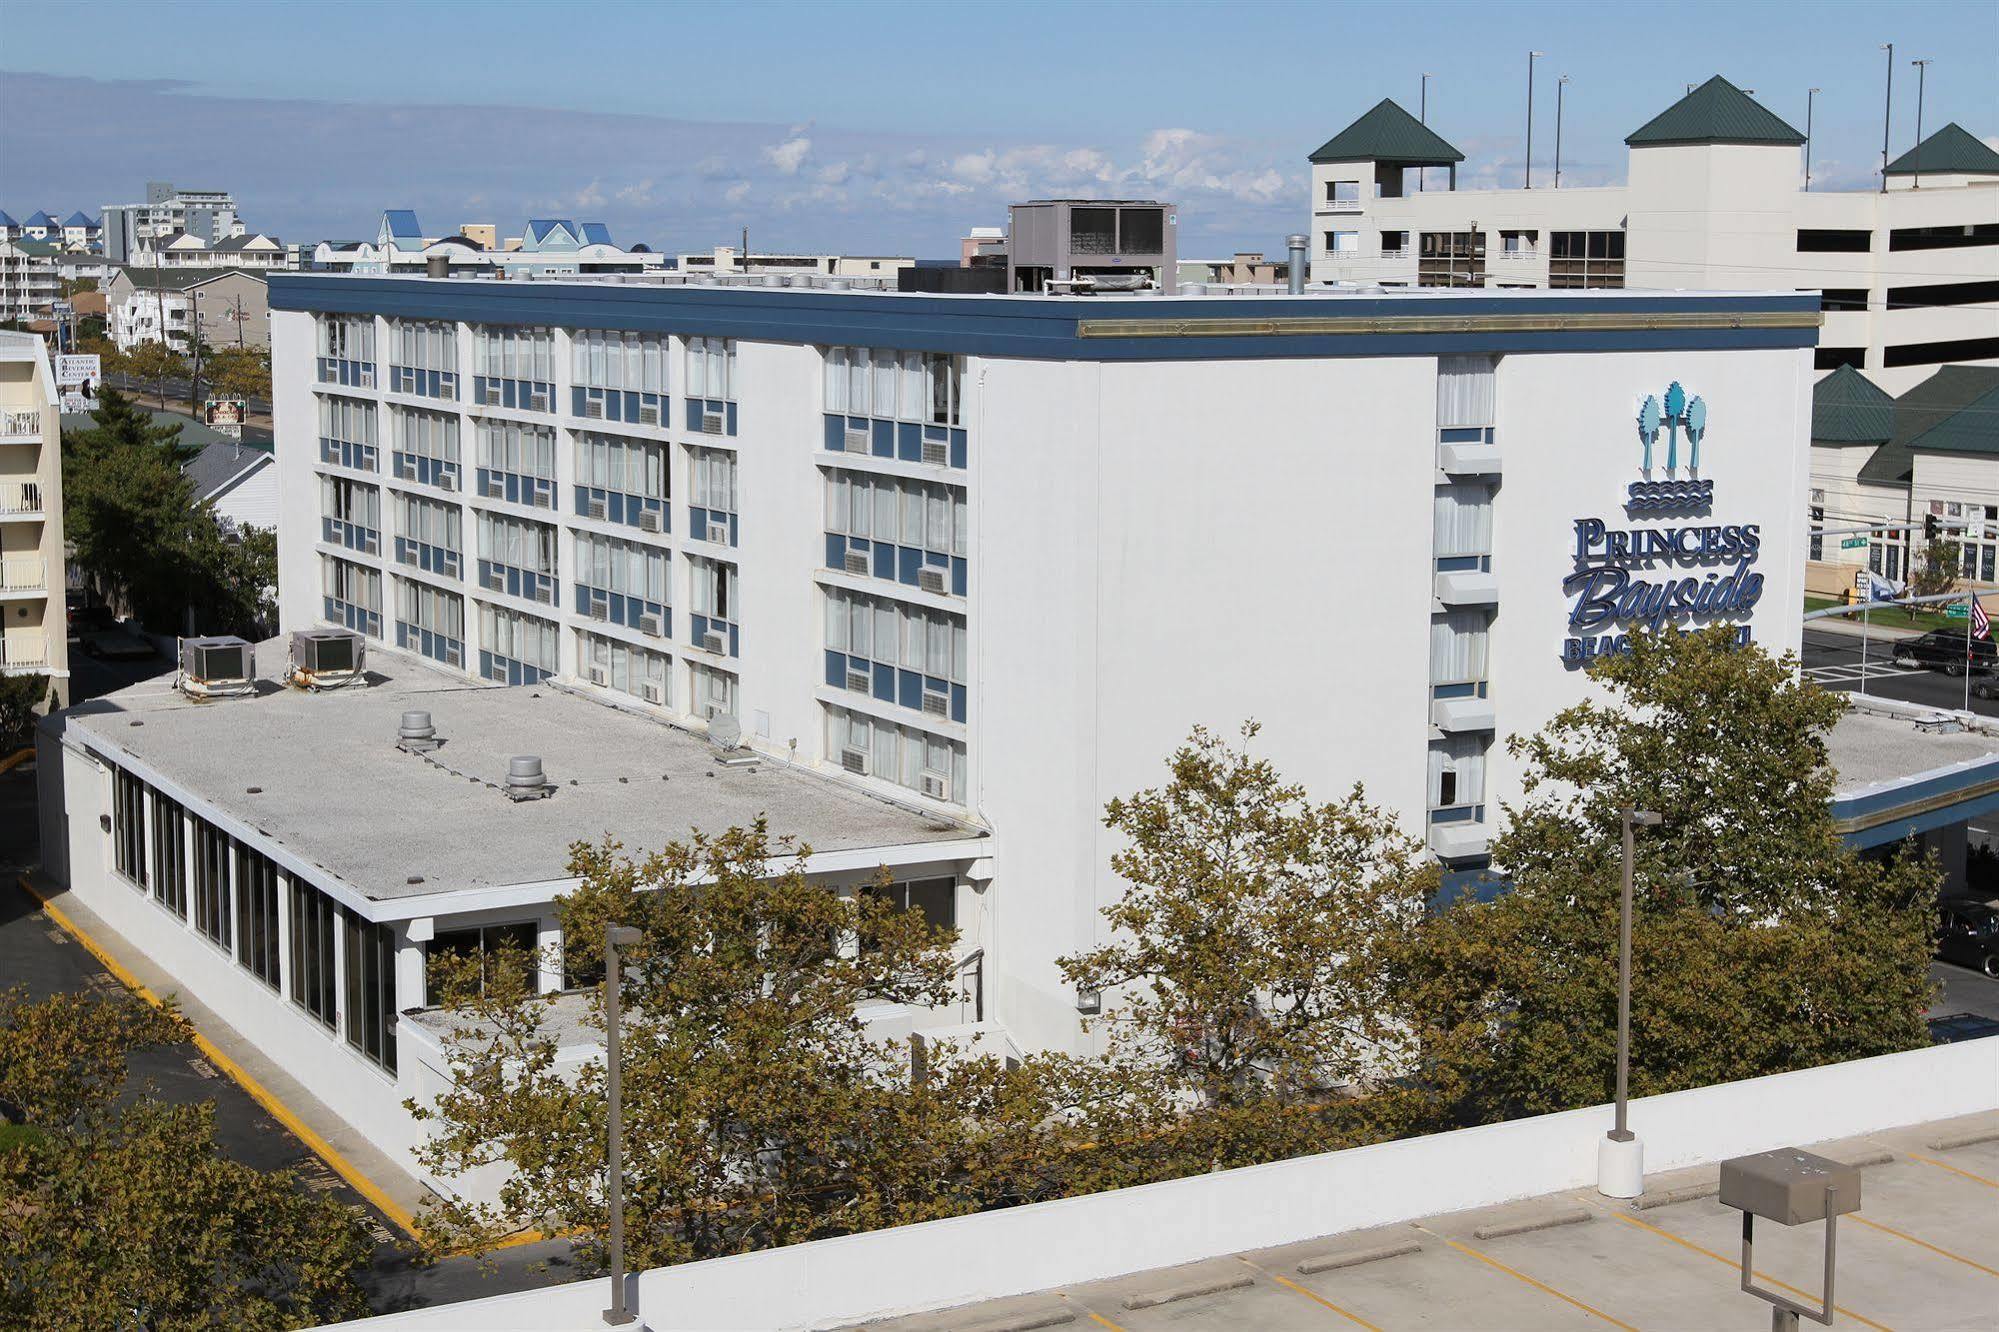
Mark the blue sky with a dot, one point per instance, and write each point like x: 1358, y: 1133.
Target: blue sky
x: 891, y: 127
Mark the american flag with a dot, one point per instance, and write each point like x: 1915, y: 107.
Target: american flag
x: 1981, y: 623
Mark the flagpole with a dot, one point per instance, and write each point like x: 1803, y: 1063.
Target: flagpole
x: 1970, y: 605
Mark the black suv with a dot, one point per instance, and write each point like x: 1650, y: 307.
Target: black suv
x: 1943, y: 650
x: 1968, y: 933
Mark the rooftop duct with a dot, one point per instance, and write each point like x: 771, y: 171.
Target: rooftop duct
x: 1300, y: 246
x: 525, y: 780
x: 416, y: 735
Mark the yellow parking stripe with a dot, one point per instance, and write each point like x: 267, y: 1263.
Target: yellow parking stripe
x: 1923, y: 1244
x: 1095, y: 1317
x: 1737, y: 1266
x: 1541, y: 1286
x: 1289, y: 1284
x: 1988, y: 1183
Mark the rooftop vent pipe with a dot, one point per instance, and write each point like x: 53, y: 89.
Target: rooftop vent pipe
x: 1299, y: 245
x: 437, y: 266
x: 524, y: 778
x: 416, y: 735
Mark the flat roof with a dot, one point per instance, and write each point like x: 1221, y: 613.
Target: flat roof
x: 1875, y: 751
x: 320, y: 777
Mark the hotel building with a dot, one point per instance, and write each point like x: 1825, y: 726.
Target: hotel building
x: 34, y: 626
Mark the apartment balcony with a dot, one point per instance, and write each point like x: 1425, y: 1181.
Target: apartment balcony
x: 21, y: 427
x: 23, y: 576
x: 20, y: 501
x: 1338, y: 206
x: 1514, y: 256
x: 23, y: 652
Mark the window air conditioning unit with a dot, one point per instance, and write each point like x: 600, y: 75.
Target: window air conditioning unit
x: 538, y: 402
x: 718, y: 531
x: 931, y: 578
x: 492, y: 395
x: 716, y: 643
x: 650, y: 520
x: 649, y: 414
x: 325, y: 658
x: 714, y: 423
x: 861, y: 682
x: 859, y: 441
x: 650, y: 624
x: 406, y: 467
x: 596, y: 508
x: 937, y: 786
x: 447, y: 480
x: 449, y: 563
x: 936, y: 704
x: 937, y: 451
x: 600, y: 606
x: 652, y: 693
x: 216, y: 668
x: 367, y: 376
x: 593, y: 408
x: 496, y: 486
x: 496, y: 579
x: 453, y: 655
x: 854, y: 760
x: 857, y: 562
x: 597, y: 675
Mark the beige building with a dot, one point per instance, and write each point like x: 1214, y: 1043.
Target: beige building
x: 35, y: 636
x: 162, y: 304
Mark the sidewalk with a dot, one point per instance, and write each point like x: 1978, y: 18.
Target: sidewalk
x: 1880, y: 627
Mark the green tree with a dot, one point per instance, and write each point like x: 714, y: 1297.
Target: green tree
x: 157, y: 362
x: 121, y: 1212
x: 19, y: 696
x: 243, y: 372
x: 1761, y: 942
x: 1935, y: 572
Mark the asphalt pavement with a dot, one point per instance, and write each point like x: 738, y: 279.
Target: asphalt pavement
x: 1851, y: 664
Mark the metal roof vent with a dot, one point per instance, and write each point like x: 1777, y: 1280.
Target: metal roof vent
x: 525, y: 780
x: 416, y: 735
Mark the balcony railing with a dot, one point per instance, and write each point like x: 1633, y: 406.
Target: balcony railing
x: 18, y: 497
x: 23, y: 652
x: 25, y: 573
x: 28, y: 423
x: 1504, y: 255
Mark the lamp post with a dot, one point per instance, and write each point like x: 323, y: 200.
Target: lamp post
x: 615, y: 936
x: 1532, y: 56
x: 1423, y: 114
x: 1810, y: 95
x: 1887, y: 113
x: 1922, y: 72
x: 1560, y: 84
x: 1620, y: 1158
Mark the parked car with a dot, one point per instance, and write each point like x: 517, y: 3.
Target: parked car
x: 1985, y: 686
x: 120, y: 642
x: 1968, y: 934
x: 1943, y: 650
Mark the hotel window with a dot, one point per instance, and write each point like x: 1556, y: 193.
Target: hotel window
x: 623, y: 582
x: 1458, y: 645
x: 424, y: 359
x: 1451, y: 259
x: 211, y: 883
x: 1586, y: 259
x: 1342, y: 242
x: 1518, y: 244
x: 1464, y: 525
x: 1457, y: 773
x: 712, y: 626
x: 622, y: 480
x: 353, y: 595
x: 313, y: 976
x: 712, y: 692
x: 128, y: 825
x: 170, y: 854
x: 896, y: 653
x: 1981, y: 542
x: 426, y: 447
x: 519, y: 943
x: 919, y: 516
x: 347, y: 350
x: 614, y: 664
x: 1394, y: 243
x: 517, y: 556
x: 907, y: 756
x: 350, y: 514
x: 619, y: 376
x: 1343, y: 191
x: 347, y: 433
x: 515, y: 648
x: 430, y: 621
x: 713, y: 504
x: 257, y: 915
x: 430, y: 535
x: 513, y: 367
x: 1466, y: 399
x: 936, y: 900
x: 517, y: 463
x: 371, y: 988
x: 711, y: 386
x: 894, y: 385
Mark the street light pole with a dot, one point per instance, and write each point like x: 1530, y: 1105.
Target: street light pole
x: 614, y: 1175
x: 1887, y: 113
x: 1620, y: 1162
x: 1810, y: 94
x: 1423, y: 114
x: 1560, y: 84
x: 1532, y: 56
x: 1922, y: 72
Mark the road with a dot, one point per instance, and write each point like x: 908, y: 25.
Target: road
x: 1834, y: 660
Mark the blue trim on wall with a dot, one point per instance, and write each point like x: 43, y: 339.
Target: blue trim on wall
x: 1024, y: 326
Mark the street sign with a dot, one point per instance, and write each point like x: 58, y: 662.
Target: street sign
x: 1957, y: 610
x: 1853, y: 543
x: 77, y: 379
x: 225, y: 414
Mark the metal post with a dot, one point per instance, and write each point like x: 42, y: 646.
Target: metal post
x: 1423, y: 114
x: 1532, y: 56
x: 614, y: 1174
x: 1922, y: 73
x: 1887, y: 113
x: 1560, y: 84
x: 1810, y: 94
x: 1622, y: 1133
x: 1866, y: 634
x: 1970, y: 604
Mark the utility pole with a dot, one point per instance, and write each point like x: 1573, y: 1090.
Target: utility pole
x: 1423, y: 114
x: 1887, y: 113
x: 614, y: 1156
x: 194, y: 386
x: 1532, y: 56
x: 1922, y: 71
x: 1620, y: 1160
x: 1810, y: 94
x: 1560, y: 84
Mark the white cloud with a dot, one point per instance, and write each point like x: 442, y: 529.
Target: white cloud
x: 787, y: 156
x: 590, y: 196
x: 737, y: 192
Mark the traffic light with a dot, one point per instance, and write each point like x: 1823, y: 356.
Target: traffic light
x: 1930, y: 527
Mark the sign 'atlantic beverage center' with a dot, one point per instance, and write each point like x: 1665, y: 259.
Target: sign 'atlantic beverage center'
x: 1675, y: 572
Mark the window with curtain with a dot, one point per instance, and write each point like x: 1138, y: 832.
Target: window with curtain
x: 526, y: 354
x: 527, y: 639
x: 517, y: 542
x: 611, y: 462
x: 1457, y: 771
x: 634, y: 362
x: 905, y: 755
x: 1464, y: 521
x: 714, y: 479
x: 524, y: 450
x: 714, y: 588
x: 711, y: 367
x: 890, y: 508
x: 625, y: 667
x: 624, y: 567
x: 713, y: 692
x: 1464, y: 391
x: 913, y: 637
x: 1458, y: 647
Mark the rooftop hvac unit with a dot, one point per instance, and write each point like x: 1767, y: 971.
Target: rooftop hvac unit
x: 714, y: 423
x: 326, y: 658
x: 854, y: 760
x: 716, y: 643
x: 857, y: 562
x: 859, y: 441
x: 936, y: 704
x: 648, y: 414
x: 593, y: 408
x: 650, y: 520
x: 931, y: 579
x: 937, y: 451
x: 216, y: 668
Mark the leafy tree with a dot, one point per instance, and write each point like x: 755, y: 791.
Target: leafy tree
x: 240, y: 373
x: 19, y: 695
x: 1252, y: 946
x: 158, y: 362
x: 1761, y: 942
x: 121, y: 1213
x: 1935, y: 572
x: 110, y: 359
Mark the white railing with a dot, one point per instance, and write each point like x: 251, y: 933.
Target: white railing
x: 23, y: 651
x: 21, y: 423
x: 1514, y: 254
x: 20, y: 497
x: 1340, y: 206
x: 26, y: 573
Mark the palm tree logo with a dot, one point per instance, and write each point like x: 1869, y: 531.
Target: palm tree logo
x: 1676, y: 413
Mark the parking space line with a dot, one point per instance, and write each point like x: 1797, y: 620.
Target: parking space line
x: 1924, y: 1244
x: 1314, y: 1296
x: 1736, y: 1265
x: 1988, y: 1183
x: 1541, y: 1286
x: 1095, y: 1317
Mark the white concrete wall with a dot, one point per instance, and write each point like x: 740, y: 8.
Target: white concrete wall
x: 942, y: 1264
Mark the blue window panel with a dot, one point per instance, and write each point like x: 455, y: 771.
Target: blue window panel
x: 836, y: 551
x: 960, y: 450
x: 1454, y: 691
x: 908, y: 691
x: 1465, y: 434
x: 584, y: 495
x: 693, y: 414
x: 908, y: 440
x: 1461, y: 814
x: 959, y: 698
x: 735, y: 529
x: 576, y: 399
x: 961, y: 572
x: 908, y: 560
x: 881, y: 440
x: 836, y: 669
x: 582, y: 599
x: 1459, y: 563
x: 697, y: 520
x: 731, y: 413
x: 630, y: 400
x: 885, y: 681
x: 735, y: 641
x: 618, y: 508
x: 836, y: 434
x: 884, y: 560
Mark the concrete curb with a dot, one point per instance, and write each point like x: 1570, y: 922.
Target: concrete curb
x: 1334, y: 1261
x: 1172, y: 1294
x: 1525, y: 1225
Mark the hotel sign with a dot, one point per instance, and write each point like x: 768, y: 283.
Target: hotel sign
x: 1679, y: 574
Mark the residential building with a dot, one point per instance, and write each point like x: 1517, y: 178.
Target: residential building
x: 1085, y: 245
x: 34, y: 625
x: 131, y: 229
x: 240, y: 480
x: 549, y: 247
x: 148, y: 304
x: 928, y: 580
x: 1713, y: 200
x: 30, y: 283
x: 1248, y: 268
x: 983, y: 246
x: 244, y: 250
x: 728, y: 260
x: 80, y: 231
